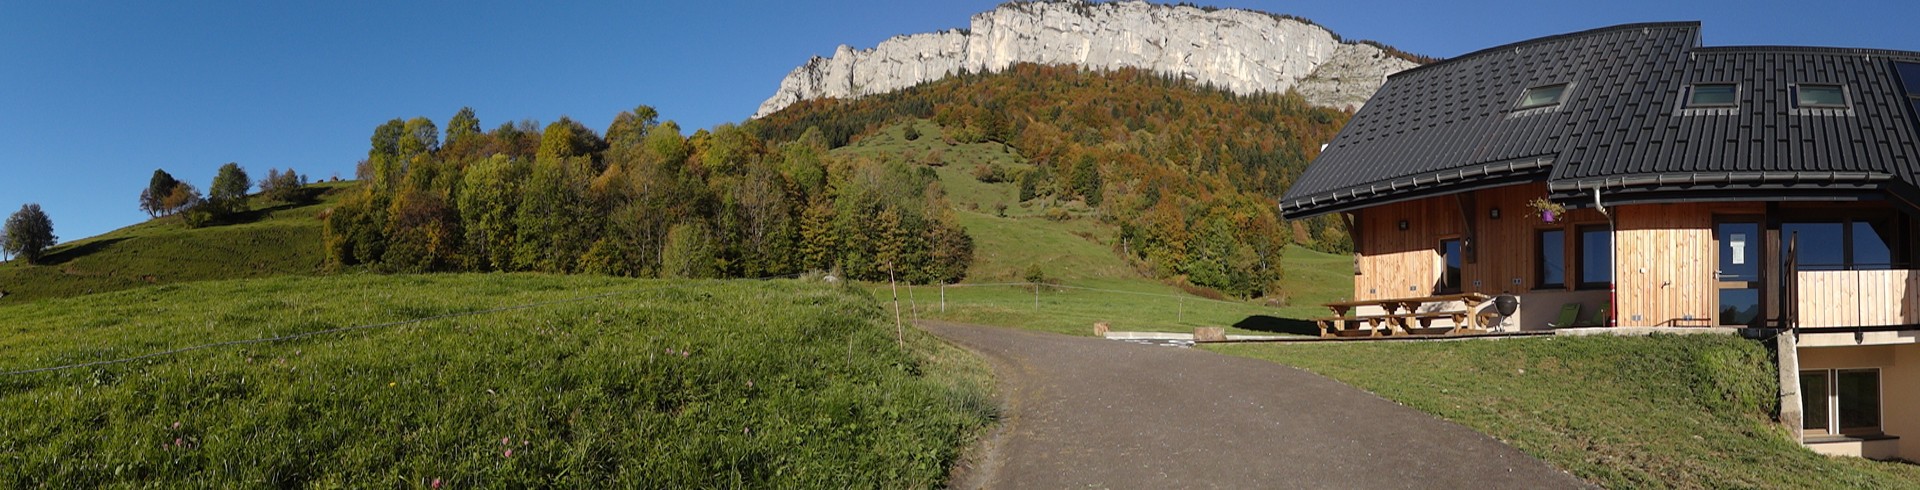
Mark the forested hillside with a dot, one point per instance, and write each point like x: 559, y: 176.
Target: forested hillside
x: 642, y: 200
x: 1188, y: 174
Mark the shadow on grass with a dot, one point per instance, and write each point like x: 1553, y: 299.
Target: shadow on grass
x: 82, y: 250
x: 1263, y: 323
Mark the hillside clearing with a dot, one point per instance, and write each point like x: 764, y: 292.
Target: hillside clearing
x: 273, y: 239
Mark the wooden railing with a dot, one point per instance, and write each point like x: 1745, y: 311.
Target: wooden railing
x: 1857, y: 298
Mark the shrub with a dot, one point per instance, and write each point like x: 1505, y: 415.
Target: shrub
x: 1035, y: 275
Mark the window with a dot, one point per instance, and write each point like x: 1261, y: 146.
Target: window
x: 1840, y: 401
x: 1820, y: 96
x: 1450, y: 258
x: 1596, y: 257
x: 1551, y: 263
x: 1836, y: 245
x: 1542, y: 96
x: 1712, y: 95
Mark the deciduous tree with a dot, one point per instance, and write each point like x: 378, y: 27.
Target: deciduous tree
x: 29, y: 233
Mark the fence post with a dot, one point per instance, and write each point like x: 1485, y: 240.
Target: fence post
x: 1036, y: 296
x: 1180, y: 312
x: 913, y: 307
x: 943, y: 297
x: 899, y: 332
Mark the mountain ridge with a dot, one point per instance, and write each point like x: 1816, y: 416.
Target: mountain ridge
x: 1243, y: 51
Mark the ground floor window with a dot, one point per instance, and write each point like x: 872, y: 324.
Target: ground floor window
x: 1840, y: 401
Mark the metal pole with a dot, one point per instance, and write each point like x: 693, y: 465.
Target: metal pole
x: 1180, y: 312
x: 943, y: 297
x: 913, y: 306
x: 1036, y: 296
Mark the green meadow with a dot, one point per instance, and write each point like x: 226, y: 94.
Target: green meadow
x: 496, y: 381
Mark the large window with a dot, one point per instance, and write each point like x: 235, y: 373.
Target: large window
x: 1840, y: 401
x: 1842, y: 244
x: 1450, y: 259
x: 1596, y: 257
x: 1551, y: 263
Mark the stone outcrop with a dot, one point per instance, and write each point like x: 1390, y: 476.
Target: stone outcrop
x: 1238, y: 50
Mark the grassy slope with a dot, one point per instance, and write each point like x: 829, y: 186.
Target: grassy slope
x: 802, y: 386
x: 273, y: 240
x: 1074, y: 252
x: 1678, y: 411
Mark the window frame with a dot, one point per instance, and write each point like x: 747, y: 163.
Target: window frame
x: 1540, y: 259
x: 1579, y: 256
x: 1693, y: 89
x: 1566, y: 88
x: 1846, y: 96
x: 1831, y: 400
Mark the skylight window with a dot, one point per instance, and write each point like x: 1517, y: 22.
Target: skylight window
x: 1820, y: 96
x: 1542, y: 96
x: 1713, y: 95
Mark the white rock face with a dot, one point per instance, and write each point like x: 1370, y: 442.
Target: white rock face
x: 1238, y: 50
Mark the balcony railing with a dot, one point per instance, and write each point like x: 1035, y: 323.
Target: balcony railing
x: 1856, y: 298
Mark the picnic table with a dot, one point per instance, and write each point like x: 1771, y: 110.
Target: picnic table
x: 1404, y: 316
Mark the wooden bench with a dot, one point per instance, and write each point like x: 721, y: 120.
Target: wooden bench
x: 1404, y: 316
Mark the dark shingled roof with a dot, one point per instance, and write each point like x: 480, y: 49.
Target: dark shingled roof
x: 1451, y: 126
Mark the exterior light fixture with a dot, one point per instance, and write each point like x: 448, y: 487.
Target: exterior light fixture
x: 1403, y: 225
x: 1493, y: 213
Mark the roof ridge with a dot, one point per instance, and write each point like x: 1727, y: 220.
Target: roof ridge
x: 1780, y: 48
x: 1691, y: 24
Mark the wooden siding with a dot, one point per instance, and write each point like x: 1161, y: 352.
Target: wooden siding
x: 1666, y: 255
x: 1396, y: 263
x: 1859, y: 298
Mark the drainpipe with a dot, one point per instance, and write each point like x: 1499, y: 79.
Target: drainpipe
x: 1613, y: 255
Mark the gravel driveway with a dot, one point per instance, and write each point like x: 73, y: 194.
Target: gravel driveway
x: 1092, y: 413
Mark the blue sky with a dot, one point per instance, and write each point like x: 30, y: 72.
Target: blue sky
x: 95, y: 95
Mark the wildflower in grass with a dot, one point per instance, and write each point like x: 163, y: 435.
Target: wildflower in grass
x: 391, y: 384
x: 436, y: 483
x: 507, y: 454
x: 505, y: 441
x: 176, y: 425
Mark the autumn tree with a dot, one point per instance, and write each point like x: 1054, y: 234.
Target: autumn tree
x: 29, y: 233
x: 153, y: 198
x: 463, y: 129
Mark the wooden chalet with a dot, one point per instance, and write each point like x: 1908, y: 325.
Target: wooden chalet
x: 1756, y: 187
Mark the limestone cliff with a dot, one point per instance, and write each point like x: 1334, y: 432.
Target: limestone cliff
x: 1238, y: 50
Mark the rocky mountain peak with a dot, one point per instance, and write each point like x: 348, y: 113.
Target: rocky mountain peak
x: 1238, y: 50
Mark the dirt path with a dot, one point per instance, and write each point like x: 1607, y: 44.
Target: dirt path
x: 1092, y: 413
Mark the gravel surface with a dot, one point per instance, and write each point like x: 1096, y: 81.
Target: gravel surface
x: 1091, y: 413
